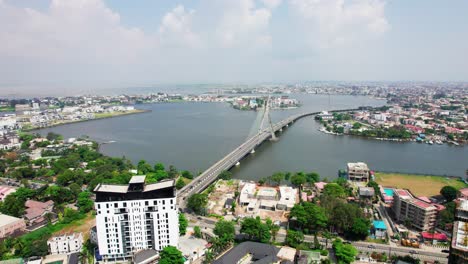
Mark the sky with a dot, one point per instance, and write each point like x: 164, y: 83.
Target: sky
x: 56, y: 45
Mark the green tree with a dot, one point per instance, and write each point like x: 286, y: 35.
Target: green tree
x: 334, y: 190
x: 171, y: 255
x: 225, y: 230
x: 143, y: 167
x: 183, y: 223
x: 298, y: 179
x: 294, y: 238
x: 172, y: 173
x: 273, y: 228
x: 84, y: 202
x: 255, y: 229
x: 159, y: 167
x: 197, y: 202
x: 449, y: 193
x: 310, y: 216
x: 180, y: 183
x: 277, y: 177
x: 187, y: 174
x: 197, y: 232
x: 13, y: 205
x: 345, y: 253
x: 225, y: 175
x: 312, y: 177
x: 359, y: 230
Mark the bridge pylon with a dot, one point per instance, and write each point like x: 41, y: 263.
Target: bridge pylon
x: 266, y: 115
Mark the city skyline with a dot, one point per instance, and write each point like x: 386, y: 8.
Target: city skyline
x: 94, y: 44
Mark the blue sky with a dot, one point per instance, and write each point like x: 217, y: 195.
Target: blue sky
x: 50, y: 44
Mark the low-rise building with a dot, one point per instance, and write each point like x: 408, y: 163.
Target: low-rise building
x: 366, y: 192
x: 36, y: 211
x: 65, y: 244
x: 379, y: 229
x: 10, y: 225
x: 287, y: 198
x: 414, y: 211
x: 247, y: 193
x: 319, y: 186
x: 358, y: 172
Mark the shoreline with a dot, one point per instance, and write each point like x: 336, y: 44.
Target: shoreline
x: 398, y: 140
x: 136, y: 111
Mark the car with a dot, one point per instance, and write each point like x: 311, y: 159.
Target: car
x: 445, y: 251
x: 413, y: 252
x: 371, y: 246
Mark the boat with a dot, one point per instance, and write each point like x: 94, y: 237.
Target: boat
x: 438, y: 142
x: 430, y: 142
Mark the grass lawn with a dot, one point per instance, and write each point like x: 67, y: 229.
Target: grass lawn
x: 420, y: 185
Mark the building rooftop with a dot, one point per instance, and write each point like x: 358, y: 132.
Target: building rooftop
x: 6, y: 219
x: 138, y: 179
x: 118, y: 188
x: 357, y: 166
x: 260, y: 253
x: 145, y: 255
x: 378, y: 224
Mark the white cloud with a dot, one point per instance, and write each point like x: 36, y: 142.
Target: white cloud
x: 271, y: 4
x: 244, y: 23
x: 69, y: 31
x: 334, y: 22
x: 176, y: 27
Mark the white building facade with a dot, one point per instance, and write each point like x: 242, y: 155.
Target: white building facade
x: 134, y: 217
x: 65, y: 244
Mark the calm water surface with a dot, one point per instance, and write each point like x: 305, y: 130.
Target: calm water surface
x: 195, y: 135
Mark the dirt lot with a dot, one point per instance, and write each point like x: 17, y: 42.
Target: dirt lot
x: 83, y: 225
x: 222, y: 191
x: 420, y: 185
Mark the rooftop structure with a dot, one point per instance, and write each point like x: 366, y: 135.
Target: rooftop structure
x: 358, y: 172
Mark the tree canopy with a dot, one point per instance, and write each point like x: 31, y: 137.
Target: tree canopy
x: 345, y: 253
x: 183, y: 223
x: 171, y: 255
x: 255, y: 229
x: 197, y: 202
x: 449, y: 193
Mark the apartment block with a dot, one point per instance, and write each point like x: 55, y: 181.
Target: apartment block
x: 421, y: 214
x: 135, y: 217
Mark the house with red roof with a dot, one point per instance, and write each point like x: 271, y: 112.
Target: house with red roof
x: 36, y: 211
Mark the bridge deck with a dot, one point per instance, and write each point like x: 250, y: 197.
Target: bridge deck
x: 209, y: 176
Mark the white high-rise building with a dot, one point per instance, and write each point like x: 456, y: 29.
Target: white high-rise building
x: 136, y: 216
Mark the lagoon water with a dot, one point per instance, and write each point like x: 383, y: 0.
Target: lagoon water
x: 193, y: 136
